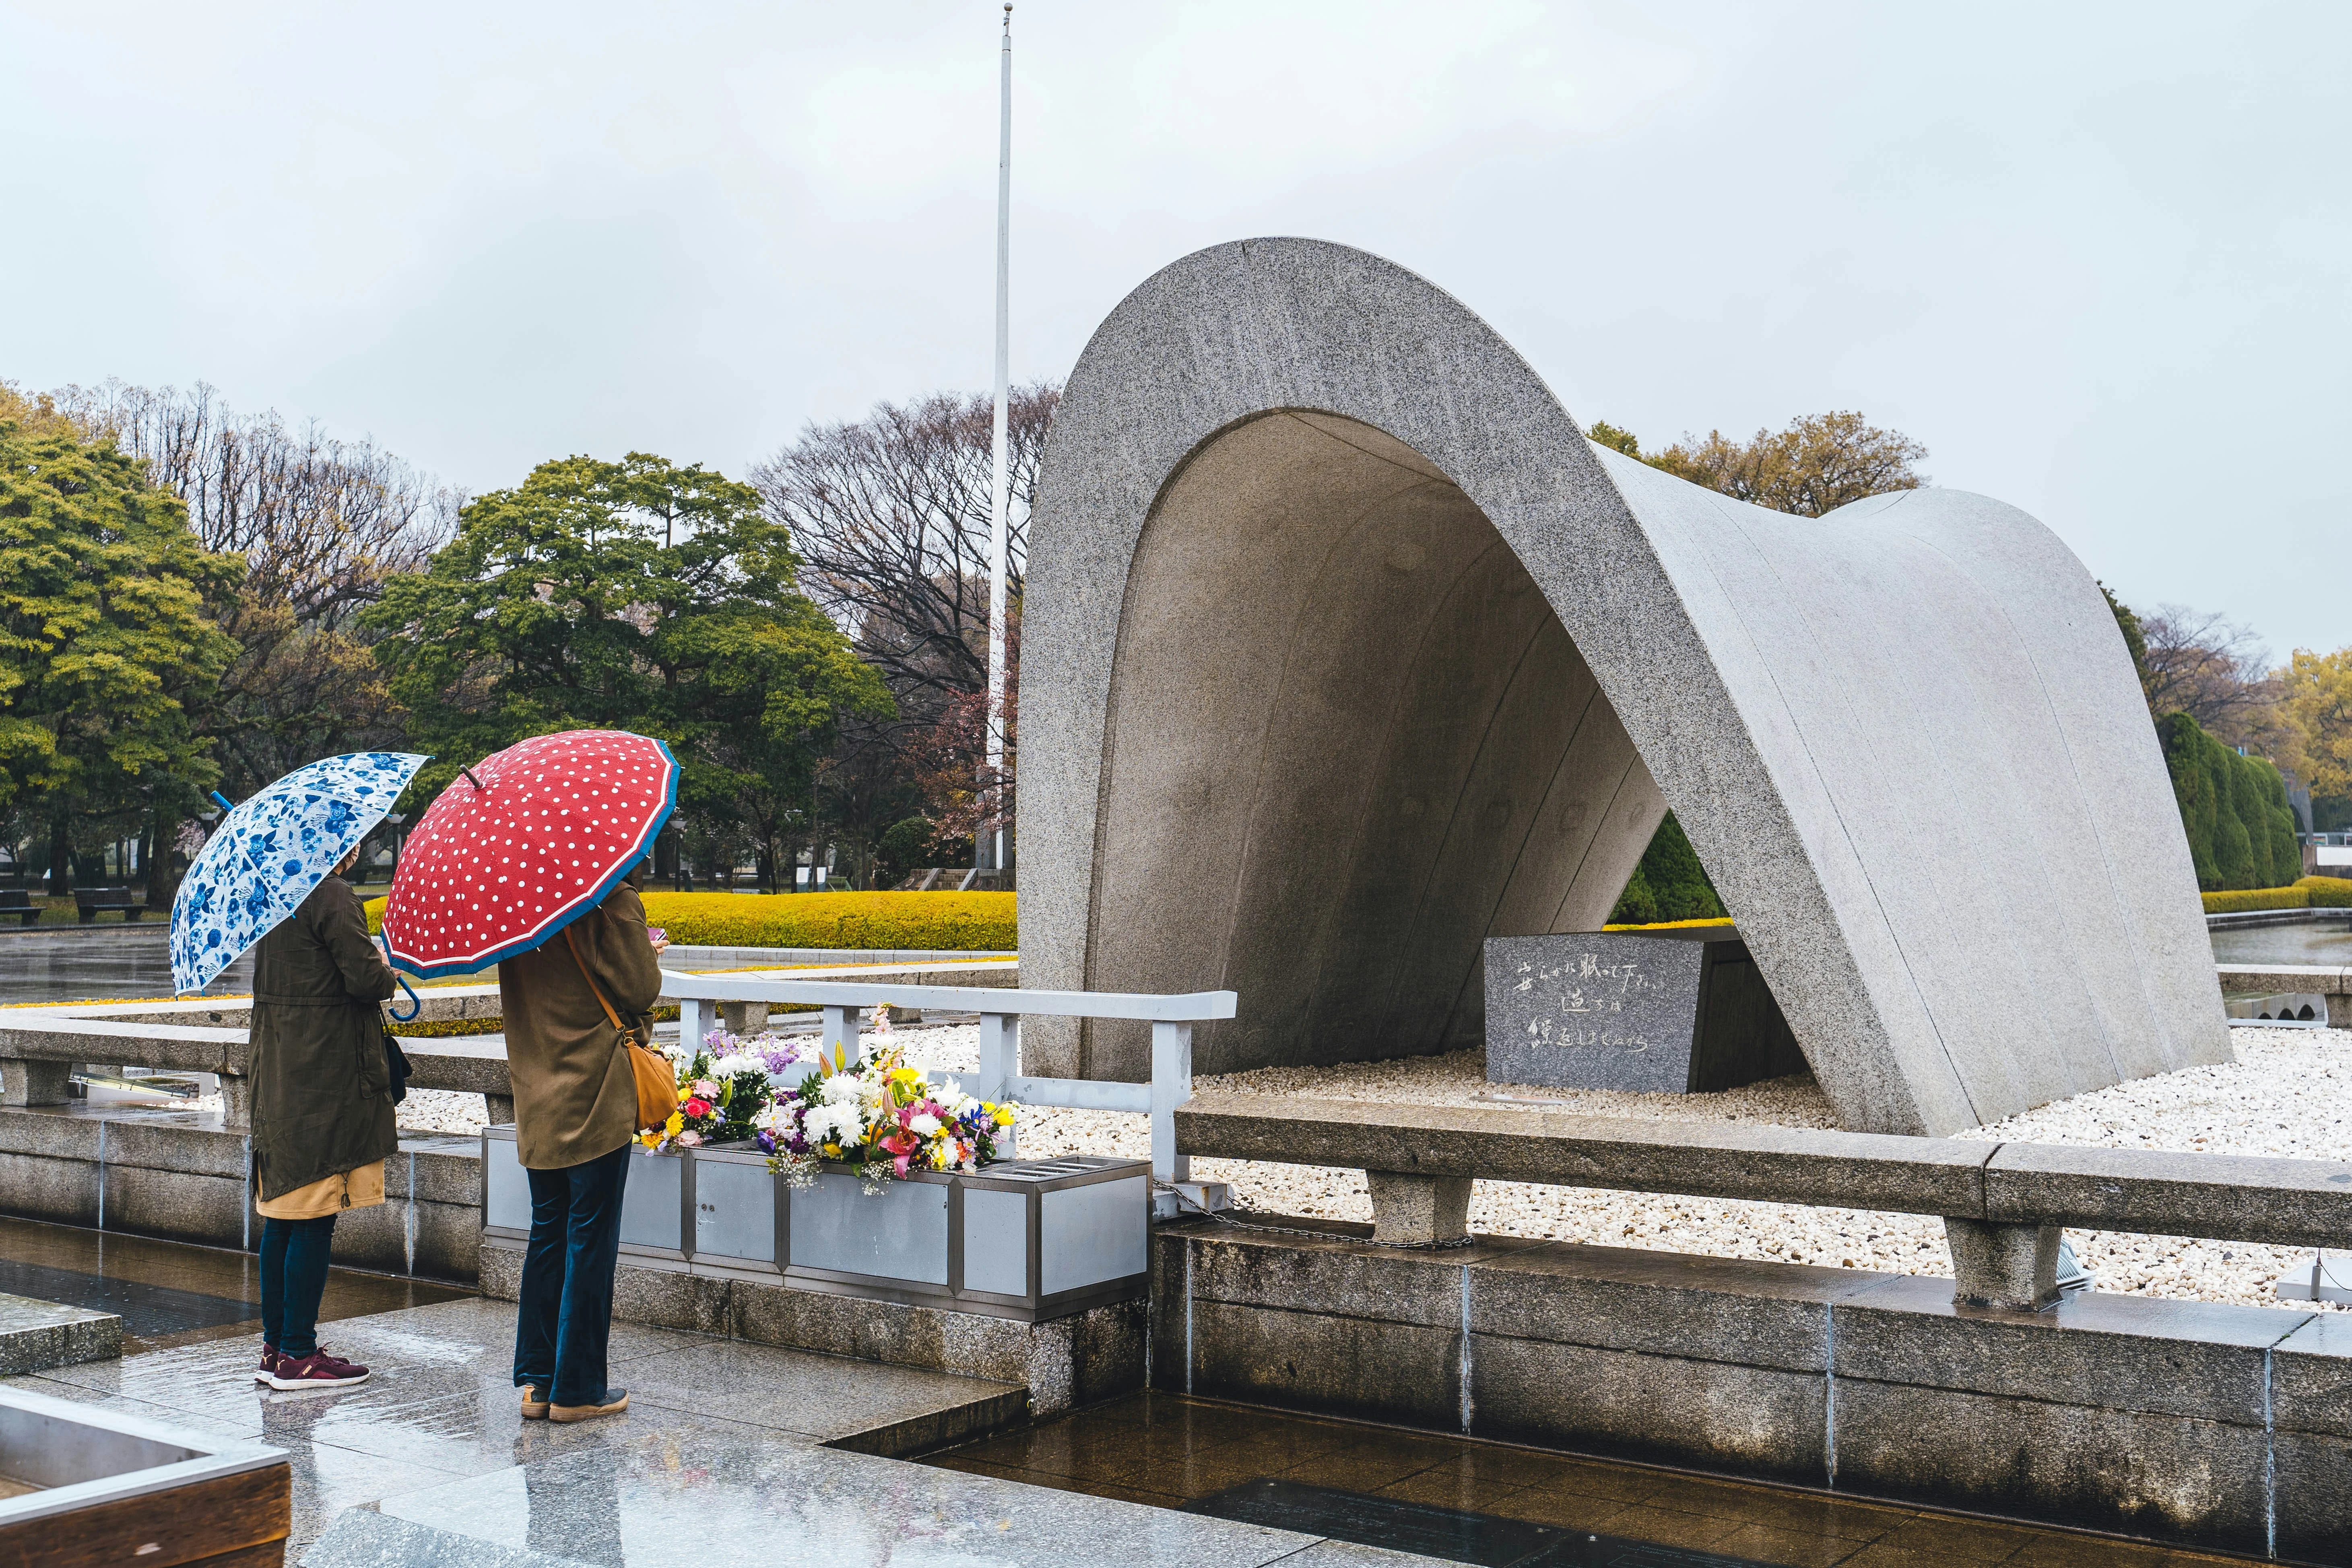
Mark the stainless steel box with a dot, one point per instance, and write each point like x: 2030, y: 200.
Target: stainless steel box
x: 1028, y: 1239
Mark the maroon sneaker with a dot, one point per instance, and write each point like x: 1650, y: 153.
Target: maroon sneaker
x: 270, y: 1360
x: 316, y: 1369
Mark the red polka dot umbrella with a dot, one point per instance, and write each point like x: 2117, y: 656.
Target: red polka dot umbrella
x: 526, y: 842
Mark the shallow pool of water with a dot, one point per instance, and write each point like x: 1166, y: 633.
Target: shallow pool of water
x: 2315, y: 944
x: 75, y: 966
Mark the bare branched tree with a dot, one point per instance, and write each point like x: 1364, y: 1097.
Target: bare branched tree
x: 2217, y: 671
x: 890, y: 515
x: 321, y: 524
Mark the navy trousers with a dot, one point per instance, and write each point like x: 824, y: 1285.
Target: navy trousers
x: 565, y: 1316
x: 293, y: 1279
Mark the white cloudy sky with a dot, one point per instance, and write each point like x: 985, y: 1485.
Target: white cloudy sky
x: 2094, y: 256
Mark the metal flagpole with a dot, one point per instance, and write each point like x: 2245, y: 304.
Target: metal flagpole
x: 1000, y: 498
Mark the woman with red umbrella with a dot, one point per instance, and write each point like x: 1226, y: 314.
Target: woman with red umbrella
x: 530, y: 861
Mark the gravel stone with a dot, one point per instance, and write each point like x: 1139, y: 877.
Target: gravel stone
x: 2288, y: 1093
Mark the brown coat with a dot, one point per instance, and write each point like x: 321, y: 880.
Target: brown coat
x: 321, y: 1086
x: 575, y: 1095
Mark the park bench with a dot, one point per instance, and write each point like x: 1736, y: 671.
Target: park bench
x: 92, y: 901
x: 18, y: 902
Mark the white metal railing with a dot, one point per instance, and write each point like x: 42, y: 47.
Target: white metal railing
x: 1001, y: 1011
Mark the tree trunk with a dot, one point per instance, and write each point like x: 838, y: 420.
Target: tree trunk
x: 163, y: 877
x: 60, y: 858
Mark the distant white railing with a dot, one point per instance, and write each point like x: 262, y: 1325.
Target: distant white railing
x: 1001, y: 1011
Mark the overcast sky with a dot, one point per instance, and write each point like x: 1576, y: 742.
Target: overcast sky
x: 2095, y: 256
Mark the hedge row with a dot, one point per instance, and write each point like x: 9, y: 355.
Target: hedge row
x: 2241, y: 829
x: 2310, y: 893
x: 1669, y: 886
x: 952, y: 923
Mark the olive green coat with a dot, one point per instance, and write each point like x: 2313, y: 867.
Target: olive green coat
x: 575, y: 1095
x: 321, y: 1086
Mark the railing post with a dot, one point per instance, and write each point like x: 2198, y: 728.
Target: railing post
x: 1171, y: 1085
x: 840, y: 1029
x: 693, y: 1023
x: 1000, y: 1064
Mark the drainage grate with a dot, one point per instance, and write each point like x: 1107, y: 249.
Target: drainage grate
x: 1480, y: 1539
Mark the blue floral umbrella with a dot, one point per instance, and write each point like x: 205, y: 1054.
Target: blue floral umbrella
x: 270, y: 851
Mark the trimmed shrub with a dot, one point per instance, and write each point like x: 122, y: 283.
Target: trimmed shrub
x: 2241, y: 829
x: 1669, y: 886
x: 956, y: 922
x: 2245, y: 901
x: 2328, y: 892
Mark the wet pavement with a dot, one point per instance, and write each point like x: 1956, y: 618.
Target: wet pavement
x: 169, y: 1294
x: 1491, y: 1504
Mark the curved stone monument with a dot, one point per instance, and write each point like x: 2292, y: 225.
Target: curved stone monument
x: 1344, y: 650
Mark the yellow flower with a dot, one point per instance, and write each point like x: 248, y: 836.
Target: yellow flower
x: 676, y: 1124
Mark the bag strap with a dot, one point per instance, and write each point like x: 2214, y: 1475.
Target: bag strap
x: 628, y: 1035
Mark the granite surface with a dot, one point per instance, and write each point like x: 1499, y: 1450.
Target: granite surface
x: 1323, y: 576
x: 38, y: 1335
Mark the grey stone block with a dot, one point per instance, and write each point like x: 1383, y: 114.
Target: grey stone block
x: 208, y: 1210
x: 185, y: 1143
x: 2296, y: 1203
x: 375, y: 1238
x: 670, y: 1298
x: 443, y: 1170
x: 841, y: 1325
x: 499, y: 1269
x: 60, y: 1134
x: 2010, y: 1265
x: 1340, y: 1275
x: 38, y: 1335
x: 1463, y: 660
x: 1770, y: 1315
x: 2124, y: 1353
x: 27, y: 1082
x: 1668, y: 1014
x: 448, y: 1242
x: 2313, y: 1477
x: 1787, y: 1164
x: 1417, y: 1210
x: 63, y: 1192
x: 2311, y: 1377
x: 1356, y: 1367
x: 1750, y: 1420
x: 2184, y: 1481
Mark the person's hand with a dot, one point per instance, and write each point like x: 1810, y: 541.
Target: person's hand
x: 658, y: 937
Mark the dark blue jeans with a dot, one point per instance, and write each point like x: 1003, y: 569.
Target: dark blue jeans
x: 293, y: 1277
x: 566, y: 1315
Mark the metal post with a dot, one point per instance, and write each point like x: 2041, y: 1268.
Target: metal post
x: 1000, y: 489
x: 1000, y: 1063
x: 1171, y: 1085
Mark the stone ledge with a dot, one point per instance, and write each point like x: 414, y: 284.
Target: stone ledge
x: 1063, y: 1362
x: 38, y: 1335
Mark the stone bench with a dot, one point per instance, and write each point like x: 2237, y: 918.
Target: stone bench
x: 2333, y: 980
x: 92, y: 901
x: 2003, y: 1204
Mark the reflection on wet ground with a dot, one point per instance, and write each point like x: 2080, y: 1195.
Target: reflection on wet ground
x: 2327, y: 941
x: 73, y: 964
x: 168, y: 1294
x: 1462, y: 1501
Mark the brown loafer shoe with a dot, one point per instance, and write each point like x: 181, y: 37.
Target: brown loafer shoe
x: 534, y: 1409
x: 615, y: 1400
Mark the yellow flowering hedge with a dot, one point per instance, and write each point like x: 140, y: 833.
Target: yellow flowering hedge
x: 948, y: 922
x: 2245, y: 901
x: 2328, y: 892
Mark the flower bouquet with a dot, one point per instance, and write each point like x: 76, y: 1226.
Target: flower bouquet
x: 723, y: 1087
x: 878, y: 1115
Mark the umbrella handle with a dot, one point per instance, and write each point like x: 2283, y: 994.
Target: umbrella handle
x: 415, y: 1002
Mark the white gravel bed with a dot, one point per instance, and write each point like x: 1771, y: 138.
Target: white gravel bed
x: 442, y: 1110
x: 2286, y: 1094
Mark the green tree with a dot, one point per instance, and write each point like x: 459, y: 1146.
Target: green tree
x: 634, y: 595
x: 1817, y: 465
x: 1669, y: 884
x: 104, y: 642
x: 2233, y: 809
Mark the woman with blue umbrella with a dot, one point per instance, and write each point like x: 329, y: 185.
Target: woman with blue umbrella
x: 324, y: 1088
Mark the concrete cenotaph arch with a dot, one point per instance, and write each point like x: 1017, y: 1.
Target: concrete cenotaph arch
x: 1344, y: 649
